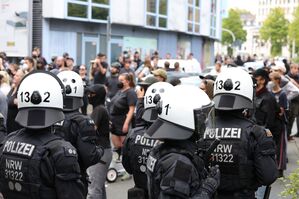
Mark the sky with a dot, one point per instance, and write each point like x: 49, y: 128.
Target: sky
x: 250, y: 5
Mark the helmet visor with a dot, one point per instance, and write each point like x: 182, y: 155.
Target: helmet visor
x: 202, y: 117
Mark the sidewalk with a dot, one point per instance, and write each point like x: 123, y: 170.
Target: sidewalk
x: 293, y: 157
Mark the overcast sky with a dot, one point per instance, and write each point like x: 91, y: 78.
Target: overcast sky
x: 250, y: 5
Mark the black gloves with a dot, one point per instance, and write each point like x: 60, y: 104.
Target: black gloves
x: 211, y: 183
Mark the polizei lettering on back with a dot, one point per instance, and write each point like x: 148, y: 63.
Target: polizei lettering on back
x: 223, y: 133
x: 20, y: 148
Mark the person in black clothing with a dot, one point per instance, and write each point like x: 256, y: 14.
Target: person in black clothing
x: 122, y: 109
x: 136, y: 145
x: 77, y: 128
x: 97, y: 173
x: 99, y: 69
x: 34, y: 163
x: 12, y: 102
x: 137, y: 61
x: 266, y: 108
x: 246, y: 153
x: 239, y: 61
x: 127, y: 68
x: 112, y: 81
x: 174, y: 168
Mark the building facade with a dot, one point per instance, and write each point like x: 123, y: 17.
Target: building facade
x: 178, y: 27
x: 265, y: 6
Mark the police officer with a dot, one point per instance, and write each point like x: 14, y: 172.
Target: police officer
x: 173, y: 168
x: 137, y: 146
x: 77, y: 128
x: 34, y: 163
x: 246, y: 153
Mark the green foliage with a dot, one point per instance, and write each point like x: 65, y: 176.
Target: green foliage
x: 291, y: 183
x: 233, y: 23
x: 294, y: 27
x: 275, y: 30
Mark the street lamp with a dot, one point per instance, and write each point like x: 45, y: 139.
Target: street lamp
x: 232, y: 34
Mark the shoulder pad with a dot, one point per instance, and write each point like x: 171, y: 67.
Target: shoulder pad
x: 83, y: 119
x: 62, y: 147
x: 259, y: 131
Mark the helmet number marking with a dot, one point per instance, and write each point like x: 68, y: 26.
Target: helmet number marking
x: 25, y: 97
x: 220, y: 85
x: 47, y: 97
x: 149, y: 99
x: 75, y: 89
x: 237, y: 85
x: 166, y: 107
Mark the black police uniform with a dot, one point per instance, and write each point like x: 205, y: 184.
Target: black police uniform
x: 174, y: 171
x: 135, y: 152
x: 245, y: 155
x: 79, y: 130
x: 36, y: 164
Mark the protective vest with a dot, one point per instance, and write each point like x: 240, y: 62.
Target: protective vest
x: 139, y: 147
x: 234, y: 153
x: 21, y: 175
x: 157, y: 158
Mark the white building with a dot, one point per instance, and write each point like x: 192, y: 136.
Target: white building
x: 264, y: 8
x: 79, y: 27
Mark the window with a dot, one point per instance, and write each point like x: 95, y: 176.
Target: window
x: 213, y: 18
x: 156, y: 13
x: 193, y: 18
x: 89, y: 10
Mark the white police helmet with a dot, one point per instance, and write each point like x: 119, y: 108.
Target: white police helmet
x: 40, y: 100
x: 233, y: 90
x: 152, y: 96
x: 182, y: 112
x: 74, y: 90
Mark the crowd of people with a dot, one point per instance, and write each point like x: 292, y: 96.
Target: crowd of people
x: 153, y: 125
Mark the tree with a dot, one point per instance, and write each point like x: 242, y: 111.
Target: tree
x: 275, y: 30
x: 233, y: 23
x: 294, y: 27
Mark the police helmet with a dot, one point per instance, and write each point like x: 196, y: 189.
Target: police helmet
x: 153, y: 95
x: 233, y: 90
x: 74, y: 90
x: 40, y: 100
x: 183, y: 111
